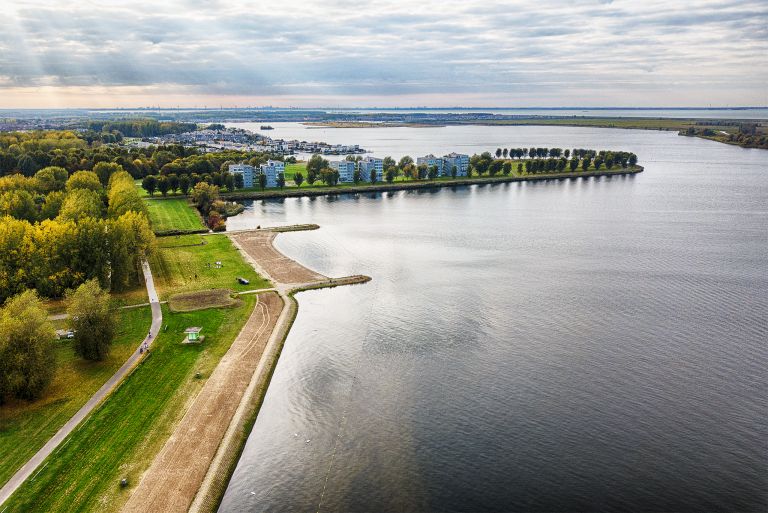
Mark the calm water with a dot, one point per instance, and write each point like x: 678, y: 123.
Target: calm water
x: 577, y: 345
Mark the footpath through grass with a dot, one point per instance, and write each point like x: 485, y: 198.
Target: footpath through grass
x: 124, y: 434
x: 174, y: 215
x: 26, y: 426
x: 188, y: 262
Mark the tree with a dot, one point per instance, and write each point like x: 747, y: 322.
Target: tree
x: 203, y: 196
x: 26, y: 347
x: 632, y: 159
x: 163, y: 185
x: 432, y: 172
x: 390, y: 175
x: 229, y: 181
x: 281, y: 180
x: 585, y: 163
x: 184, y: 183
x: 454, y: 171
x: 374, y: 176
x: 609, y: 161
x: 598, y: 163
x: 92, y: 320
x: 262, y: 181
x: 506, y: 168
x: 311, y: 176
x: 106, y: 169
x: 498, y: 153
x: 505, y: 152
x: 388, y: 162
x: 567, y: 153
x: 357, y: 175
x: 519, y: 168
x: 149, y: 184
x: 329, y: 176
x: 298, y: 179
x: 81, y: 203
x: 18, y: 204
x: 84, y: 180
x: 494, y: 167
x: 574, y: 163
x: 51, y: 178
x: 404, y: 161
x: 316, y: 163
x: 173, y: 182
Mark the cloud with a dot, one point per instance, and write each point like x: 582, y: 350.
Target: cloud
x: 548, y: 53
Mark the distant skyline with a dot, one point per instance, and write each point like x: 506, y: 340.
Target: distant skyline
x: 343, y: 54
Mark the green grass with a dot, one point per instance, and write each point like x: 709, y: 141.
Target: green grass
x: 186, y: 269
x: 171, y: 215
x: 26, y: 426
x: 123, y: 435
x: 292, y: 169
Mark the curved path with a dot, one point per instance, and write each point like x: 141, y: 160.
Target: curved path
x: 29, y: 467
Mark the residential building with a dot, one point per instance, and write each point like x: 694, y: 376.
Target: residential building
x: 346, y: 169
x: 459, y: 160
x: 430, y: 160
x: 367, y: 165
x: 245, y: 170
x: 271, y: 169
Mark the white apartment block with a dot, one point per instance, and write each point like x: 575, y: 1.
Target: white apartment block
x: 430, y: 160
x: 459, y: 160
x: 345, y: 168
x: 245, y: 170
x: 367, y: 165
x: 271, y: 169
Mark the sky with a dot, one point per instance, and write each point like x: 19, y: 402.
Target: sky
x: 407, y: 53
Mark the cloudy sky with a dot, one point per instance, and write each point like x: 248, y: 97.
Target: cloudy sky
x: 401, y: 53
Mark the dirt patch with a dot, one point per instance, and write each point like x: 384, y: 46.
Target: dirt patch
x: 176, y: 474
x: 280, y: 268
x: 202, y: 299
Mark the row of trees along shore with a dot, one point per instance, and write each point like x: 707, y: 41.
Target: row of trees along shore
x: 538, y: 160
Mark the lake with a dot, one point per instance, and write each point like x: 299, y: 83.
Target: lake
x: 573, y: 345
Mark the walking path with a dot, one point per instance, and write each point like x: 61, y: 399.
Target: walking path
x: 191, y: 470
x: 24, y: 472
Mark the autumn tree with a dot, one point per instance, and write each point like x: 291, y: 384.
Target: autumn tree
x: 94, y: 324
x: 26, y: 347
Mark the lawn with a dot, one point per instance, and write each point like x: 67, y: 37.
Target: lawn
x: 25, y: 426
x: 186, y: 268
x: 124, y: 434
x: 173, y: 215
x: 292, y: 169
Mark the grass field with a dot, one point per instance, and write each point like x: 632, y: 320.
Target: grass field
x: 190, y: 268
x: 121, y: 437
x: 25, y: 427
x: 171, y: 215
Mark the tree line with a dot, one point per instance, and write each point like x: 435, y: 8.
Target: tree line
x: 26, y: 153
x: 57, y: 232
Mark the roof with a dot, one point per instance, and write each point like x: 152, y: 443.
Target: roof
x: 194, y: 329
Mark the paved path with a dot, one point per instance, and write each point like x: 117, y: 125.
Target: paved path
x: 24, y: 472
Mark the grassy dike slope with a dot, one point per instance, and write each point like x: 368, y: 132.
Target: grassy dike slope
x: 122, y: 436
x: 26, y: 426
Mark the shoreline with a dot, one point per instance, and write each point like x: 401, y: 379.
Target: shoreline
x: 421, y: 184
x: 227, y: 407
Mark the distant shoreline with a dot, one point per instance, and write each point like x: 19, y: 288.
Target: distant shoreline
x: 420, y: 184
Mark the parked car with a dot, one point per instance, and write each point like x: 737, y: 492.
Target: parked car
x: 243, y: 281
